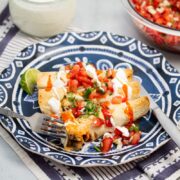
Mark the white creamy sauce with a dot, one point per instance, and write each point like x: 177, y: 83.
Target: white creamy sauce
x: 124, y: 130
x: 112, y: 122
x: 118, y: 82
x: 55, y: 105
x: 61, y: 80
x: 121, y: 76
x: 56, y: 93
x: 107, y: 135
x: 91, y: 71
x: 116, y: 86
x: 42, y: 18
x: 62, y: 74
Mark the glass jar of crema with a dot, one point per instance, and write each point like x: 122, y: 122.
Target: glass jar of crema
x: 42, y: 18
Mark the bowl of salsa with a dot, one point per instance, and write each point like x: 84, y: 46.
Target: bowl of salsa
x: 158, y: 20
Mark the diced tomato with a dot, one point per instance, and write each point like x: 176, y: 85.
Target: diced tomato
x: 108, y: 123
x: 116, y: 100
x: 68, y: 67
x: 135, y: 138
x: 156, y: 3
x: 105, y: 104
x: 96, y: 95
x: 74, y: 71
x: 98, y: 122
x: 73, y: 85
x: 86, y: 85
x: 107, y: 117
x: 82, y: 72
x: 80, y: 64
x: 117, y: 132
x: 92, y: 95
x: 85, y: 80
x: 101, y: 78
x: 77, y: 111
x: 132, y: 133
x: 106, y: 113
x: 115, y: 137
x: 163, y: 14
x: 105, y: 79
x: 110, y: 86
x: 106, y: 144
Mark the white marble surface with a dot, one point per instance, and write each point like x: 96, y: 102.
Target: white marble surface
x: 91, y: 15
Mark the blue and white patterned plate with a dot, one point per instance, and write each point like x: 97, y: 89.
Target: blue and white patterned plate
x: 105, y: 50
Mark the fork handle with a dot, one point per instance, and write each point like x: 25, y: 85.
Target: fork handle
x: 10, y: 113
x: 168, y: 125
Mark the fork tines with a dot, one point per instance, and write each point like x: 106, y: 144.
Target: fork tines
x: 53, y: 127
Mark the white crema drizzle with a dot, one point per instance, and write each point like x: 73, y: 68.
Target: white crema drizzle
x: 118, y: 82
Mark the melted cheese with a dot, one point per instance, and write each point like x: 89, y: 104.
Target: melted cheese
x: 91, y: 71
x: 69, y: 123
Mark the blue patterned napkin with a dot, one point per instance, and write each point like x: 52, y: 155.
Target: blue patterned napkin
x: 162, y: 164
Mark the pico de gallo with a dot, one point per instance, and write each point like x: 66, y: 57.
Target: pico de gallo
x: 93, y: 85
x: 162, y: 12
x: 93, y: 103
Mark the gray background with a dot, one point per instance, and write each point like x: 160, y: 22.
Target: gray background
x: 91, y: 15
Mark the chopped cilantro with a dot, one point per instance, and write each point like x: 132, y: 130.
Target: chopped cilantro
x: 71, y: 99
x: 87, y: 92
x: 97, y: 148
x: 134, y: 127
x: 91, y: 108
x: 106, y: 84
x: 100, y: 90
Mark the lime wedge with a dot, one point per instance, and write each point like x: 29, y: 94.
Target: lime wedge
x: 28, y: 80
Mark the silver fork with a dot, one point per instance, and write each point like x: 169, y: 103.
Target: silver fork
x: 40, y: 123
x: 172, y: 129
